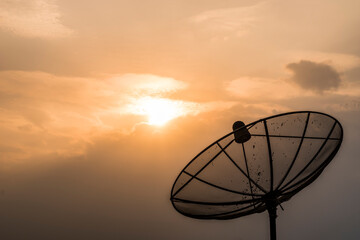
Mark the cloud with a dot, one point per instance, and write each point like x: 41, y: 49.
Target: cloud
x: 41, y: 113
x: 340, y: 62
x: 227, y: 22
x: 140, y: 84
x: 71, y: 192
x: 33, y: 19
x: 257, y: 89
x: 109, y: 182
x: 281, y: 95
x: 317, y: 77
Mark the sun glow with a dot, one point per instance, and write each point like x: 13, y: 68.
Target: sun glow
x: 159, y: 111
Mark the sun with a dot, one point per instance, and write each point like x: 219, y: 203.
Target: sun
x: 159, y: 111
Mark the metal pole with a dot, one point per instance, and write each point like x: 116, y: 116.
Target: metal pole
x: 272, y: 216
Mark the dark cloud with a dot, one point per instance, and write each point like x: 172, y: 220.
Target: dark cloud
x: 314, y: 76
x: 353, y: 75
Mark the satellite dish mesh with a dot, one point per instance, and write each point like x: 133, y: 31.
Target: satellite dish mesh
x: 276, y: 158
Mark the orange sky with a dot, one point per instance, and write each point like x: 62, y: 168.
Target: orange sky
x: 102, y: 103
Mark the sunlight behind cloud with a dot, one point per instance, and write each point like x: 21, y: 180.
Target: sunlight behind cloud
x: 159, y: 111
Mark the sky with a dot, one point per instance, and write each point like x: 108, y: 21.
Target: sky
x: 102, y: 104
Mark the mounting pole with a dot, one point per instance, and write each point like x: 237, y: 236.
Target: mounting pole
x: 272, y: 217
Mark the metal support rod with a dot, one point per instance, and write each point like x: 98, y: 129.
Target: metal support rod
x: 272, y: 216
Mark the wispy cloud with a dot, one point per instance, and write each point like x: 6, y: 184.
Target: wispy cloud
x: 257, y: 89
x: 140, y: 84
x: 228, y: 22
x: 33, y: 19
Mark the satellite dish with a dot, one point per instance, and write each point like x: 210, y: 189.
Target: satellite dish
x: 257, y: 166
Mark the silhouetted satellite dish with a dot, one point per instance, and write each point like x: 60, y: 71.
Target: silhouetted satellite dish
x: 257, y: 166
